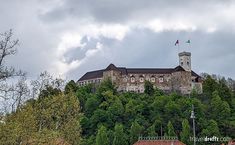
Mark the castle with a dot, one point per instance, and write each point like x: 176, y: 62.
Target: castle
x: 180, y: 79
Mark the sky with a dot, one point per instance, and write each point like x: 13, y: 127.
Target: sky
x: 70, y: 37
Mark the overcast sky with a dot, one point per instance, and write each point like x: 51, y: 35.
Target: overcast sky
x: 71, y: 37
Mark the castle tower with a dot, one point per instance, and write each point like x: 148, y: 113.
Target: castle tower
x: 185, y: 60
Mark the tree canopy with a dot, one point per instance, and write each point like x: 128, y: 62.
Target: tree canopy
x: 99, y: 115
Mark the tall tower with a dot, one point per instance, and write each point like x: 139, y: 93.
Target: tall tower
x: 185, y: 60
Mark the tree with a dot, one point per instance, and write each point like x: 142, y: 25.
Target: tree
x: 46, y: 84
x: 224, y: 91
x: 151, y: 131
x: 119, y: 135
x: 71, y: 86
x: 106, y: 85
x: 148, y: 88
x: 209, y: 85
x: 102, y: 136
x: 185, y: 134
x: 8, y: 47
x: 211, y: 129
x: 91, y: 105
x: 19, y: 126
x: 170, y: 129
x: 135, y: 132
x: 219, y: 107
x: 116, y: 108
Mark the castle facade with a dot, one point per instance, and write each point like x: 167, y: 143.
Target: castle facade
x: 180, y: 79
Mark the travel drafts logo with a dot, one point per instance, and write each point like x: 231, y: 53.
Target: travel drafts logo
x: 211, y: 139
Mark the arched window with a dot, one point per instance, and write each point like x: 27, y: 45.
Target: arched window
x: 141, y: 79
x: 132, y: 79
x: 160, y: 79
x: 152, y: 79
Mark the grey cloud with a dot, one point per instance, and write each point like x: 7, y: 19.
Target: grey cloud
x: 114, y: 11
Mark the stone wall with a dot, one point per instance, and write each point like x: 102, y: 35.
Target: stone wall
x: 180, y: 81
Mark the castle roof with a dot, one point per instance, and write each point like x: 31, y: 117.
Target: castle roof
x: 111, y: 67
x: 92, y: 75
x: 126, y: 71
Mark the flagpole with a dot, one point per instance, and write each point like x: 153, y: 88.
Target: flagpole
x: 177, y: 43
x: 178, y: 48
x: 189, y: 44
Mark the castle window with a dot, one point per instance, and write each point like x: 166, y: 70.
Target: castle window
x: 132, y: 79
x: 160, y: 80
x: 187, y: 63
x: 141, y: 79
x: 182, y: 63
x: 152, y: 79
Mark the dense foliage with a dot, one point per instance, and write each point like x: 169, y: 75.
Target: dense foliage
x: 154, y: 113
x: 51, y: 119
x: 99, y: 115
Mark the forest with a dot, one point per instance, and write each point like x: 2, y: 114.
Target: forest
x: 99, y: 115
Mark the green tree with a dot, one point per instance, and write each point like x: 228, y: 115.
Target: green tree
x: 106, y: 85
x: 211, y: 129
x: 209, y: 85
x: 151, y: 131
x: 135, y: 131
x: 185, y: 134
x: 116, y: 109
x: 102, y: 136
x: 71, y: 86
x: 91, y: 105
x: 148, y: 88
x: 100, y: 117
x: 170, y: 129
x: 119, y: 135
x: 224, y: 90
x: 219, y: 107
x: 19, y: 126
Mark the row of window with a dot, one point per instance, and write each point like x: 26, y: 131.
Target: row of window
x: 89, y: 82
x: 142, y: 79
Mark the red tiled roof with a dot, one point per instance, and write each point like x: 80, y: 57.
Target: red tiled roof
x: 159, y: 142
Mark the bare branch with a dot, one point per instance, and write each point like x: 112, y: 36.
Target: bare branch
x: 7, y: 45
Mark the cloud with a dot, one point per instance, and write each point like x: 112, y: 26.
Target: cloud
x: 70, y: 37
x: 203, y: 13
